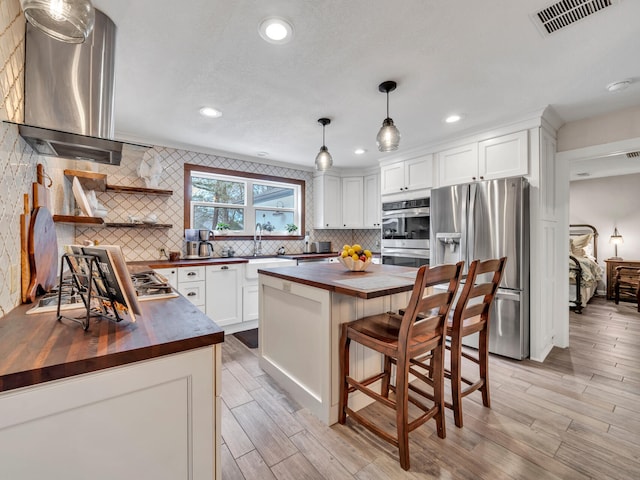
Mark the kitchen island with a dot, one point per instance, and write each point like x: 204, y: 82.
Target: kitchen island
x: 301, y: 310
x: 121, y: 400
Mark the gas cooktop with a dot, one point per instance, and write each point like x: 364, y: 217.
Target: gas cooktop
x: 148, y: 285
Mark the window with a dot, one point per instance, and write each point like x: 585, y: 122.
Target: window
x: 241, y: 200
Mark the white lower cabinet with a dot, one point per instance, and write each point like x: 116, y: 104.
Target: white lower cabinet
x: 191, y: 284
x: 250, y: 302
x: 224, y: 294
x: 158, y: 418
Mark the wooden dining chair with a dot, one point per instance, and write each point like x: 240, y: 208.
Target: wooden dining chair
x: 627, y: 285
x: 399, y: 339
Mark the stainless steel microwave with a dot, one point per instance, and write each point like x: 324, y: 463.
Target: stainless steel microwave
x: 408, y: 221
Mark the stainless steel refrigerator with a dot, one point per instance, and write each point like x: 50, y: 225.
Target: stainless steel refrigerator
x: 483, y: 220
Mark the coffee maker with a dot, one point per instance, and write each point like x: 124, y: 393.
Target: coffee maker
x: 205, y: 246
x: 198, y: 243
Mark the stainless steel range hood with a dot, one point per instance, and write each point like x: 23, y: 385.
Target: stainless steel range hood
x: 68, y: 98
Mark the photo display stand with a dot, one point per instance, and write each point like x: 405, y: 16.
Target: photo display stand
x: 101, y: 281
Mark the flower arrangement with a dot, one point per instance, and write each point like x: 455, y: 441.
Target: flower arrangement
x: 291, y: 228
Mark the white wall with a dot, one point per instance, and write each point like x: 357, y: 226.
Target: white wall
x: 606, y: 203
x: 599, y: 130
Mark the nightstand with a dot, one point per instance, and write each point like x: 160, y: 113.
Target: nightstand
x: 611, y: 272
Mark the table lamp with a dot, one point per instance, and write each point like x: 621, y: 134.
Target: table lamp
x: 616, y: 239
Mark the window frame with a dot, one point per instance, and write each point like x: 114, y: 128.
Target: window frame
x: 249, y: 178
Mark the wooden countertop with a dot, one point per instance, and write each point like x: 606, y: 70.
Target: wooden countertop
x: 224, y: 260
x: 385, y: 279
x: 37, y: 348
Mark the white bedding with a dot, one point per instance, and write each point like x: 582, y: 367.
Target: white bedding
x: 591, y: 271
x: 591, y: 274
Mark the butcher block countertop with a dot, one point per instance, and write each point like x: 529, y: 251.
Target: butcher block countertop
x: 376, y: 281
x: 183, y: 262
x: 37, y: 348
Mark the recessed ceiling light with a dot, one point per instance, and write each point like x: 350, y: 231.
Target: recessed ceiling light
x: 276, y: 30
x: 359, y: 151
x: 263, y: 154
x: 619, y: 85
x: 210, y: 112
x: 453, y: 118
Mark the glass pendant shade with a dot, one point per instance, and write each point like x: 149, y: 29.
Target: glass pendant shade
x: 323, y: 159
x: 388, y: 138
x: 69, y: 21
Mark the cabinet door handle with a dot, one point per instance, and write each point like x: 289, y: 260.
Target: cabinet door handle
x: 224, y: 267
x: 481, y: 178
x: 473, y: 178
x: 191, y: 294
x: 191, y: 274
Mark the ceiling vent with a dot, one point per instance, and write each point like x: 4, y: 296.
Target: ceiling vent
x: 564, y: 13
x: 633, y: 154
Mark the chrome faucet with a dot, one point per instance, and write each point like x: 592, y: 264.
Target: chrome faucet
x: 257, y: 241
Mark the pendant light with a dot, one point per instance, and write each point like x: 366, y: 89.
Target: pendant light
x: 69, y: 21
x: 388, y: 137
x: 323, y: 159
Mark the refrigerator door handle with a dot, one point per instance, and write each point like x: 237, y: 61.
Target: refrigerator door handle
x: 471, y: 225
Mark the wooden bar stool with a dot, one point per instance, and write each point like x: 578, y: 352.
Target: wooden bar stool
x: 399, y: 339
x: 471, y: 317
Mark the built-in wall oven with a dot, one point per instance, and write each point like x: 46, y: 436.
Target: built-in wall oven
x: 405, y: 232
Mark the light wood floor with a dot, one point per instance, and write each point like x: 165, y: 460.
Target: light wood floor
x: 576, y: 416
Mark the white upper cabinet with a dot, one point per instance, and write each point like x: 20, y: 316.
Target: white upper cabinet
x: 344, y: 202
x: 327, y: 193
x: 505, y: 156
x: 458, y: 165
x: 500, y: 157
x: 413, y: 174
x: 352, y: 202
x: 372, y: 202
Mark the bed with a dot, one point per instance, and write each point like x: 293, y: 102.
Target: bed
x: 584, y: 271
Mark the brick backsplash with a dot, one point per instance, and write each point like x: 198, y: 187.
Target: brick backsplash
x: 18, y: 172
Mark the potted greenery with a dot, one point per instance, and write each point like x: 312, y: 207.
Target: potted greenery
x: 222, y: 228
x: 292, y: 228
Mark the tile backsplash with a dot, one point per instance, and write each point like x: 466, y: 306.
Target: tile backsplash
x: 18, y: 172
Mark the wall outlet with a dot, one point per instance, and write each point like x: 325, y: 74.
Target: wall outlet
x: 15, y: 278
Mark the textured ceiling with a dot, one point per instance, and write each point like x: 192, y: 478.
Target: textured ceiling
x: 484, y: 59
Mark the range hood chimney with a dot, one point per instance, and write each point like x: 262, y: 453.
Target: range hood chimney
x: 68, y: 98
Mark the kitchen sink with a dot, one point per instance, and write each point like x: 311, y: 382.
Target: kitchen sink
x: 256, y: 263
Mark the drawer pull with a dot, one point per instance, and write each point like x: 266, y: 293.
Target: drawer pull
x: 191, y: 274
x: 224, y: 267
x: 191, y: 294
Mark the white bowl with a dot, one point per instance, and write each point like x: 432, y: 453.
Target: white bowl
x: 354, y: 265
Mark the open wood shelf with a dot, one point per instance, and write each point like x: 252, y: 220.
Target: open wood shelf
x: 99, y: 222
x: 143, y: 190
x: 98, y: 181
x: 138, y: 225
x: 78, y: 220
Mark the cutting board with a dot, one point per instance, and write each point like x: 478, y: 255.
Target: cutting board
x: 25, y: 268
x: 43, y: 253
x: 40, y: 190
